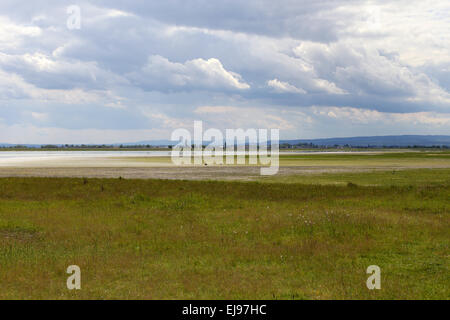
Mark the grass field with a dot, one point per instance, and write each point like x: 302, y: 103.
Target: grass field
x: 375, y: 159
x: 291, y: 237
x: 393, y: 177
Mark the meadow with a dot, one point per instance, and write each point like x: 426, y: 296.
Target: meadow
x: 287, y: 237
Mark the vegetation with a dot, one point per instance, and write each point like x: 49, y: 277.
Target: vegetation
x: 161, y: 239
x: 394, y: 177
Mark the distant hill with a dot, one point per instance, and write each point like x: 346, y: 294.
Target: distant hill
x: 378, y: 141
x: 373, y: 141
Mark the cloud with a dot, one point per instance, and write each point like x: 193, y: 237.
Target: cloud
x: 365, y: 71
x: 283, y: 87
x: 13, y: 87
x: 160, y: 73
x: 328, y: 86
x: 214, y: 109
x: 51, y: 72
x: 40, y: 116
x: 31, y: 134
x: 297, y: 19
x: 13, y: 34
x: 359, y: 116
x: 223, y: 117
x: 368, y: 67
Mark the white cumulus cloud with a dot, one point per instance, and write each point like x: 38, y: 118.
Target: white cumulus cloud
x: 282, y: 87
x: 160, y: 73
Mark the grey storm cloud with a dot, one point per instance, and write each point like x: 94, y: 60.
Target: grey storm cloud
x: 138, y: 63
x: 301, y: 19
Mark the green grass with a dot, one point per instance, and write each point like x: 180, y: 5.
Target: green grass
x: 367, y: 159
x: 364, y: 160
x: 156, y: 239
x: 411, y: 177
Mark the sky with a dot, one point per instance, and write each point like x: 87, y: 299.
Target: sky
x: 137, y: 70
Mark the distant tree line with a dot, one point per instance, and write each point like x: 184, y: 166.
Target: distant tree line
x: 282, y: 146
x: 348, y: 146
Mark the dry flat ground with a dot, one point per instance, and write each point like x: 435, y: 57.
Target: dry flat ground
x: 308, y: 233
x: 292, y: 167
x: 179, y: 173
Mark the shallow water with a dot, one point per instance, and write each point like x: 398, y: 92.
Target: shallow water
x: 51, y: 154
x: 11, y: 158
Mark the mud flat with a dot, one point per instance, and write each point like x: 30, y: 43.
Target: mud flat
x: 158, y: 165
x: 181, y: 173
